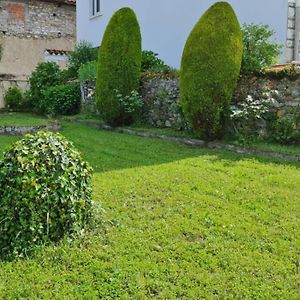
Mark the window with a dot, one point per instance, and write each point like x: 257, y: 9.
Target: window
x: 95, y: 8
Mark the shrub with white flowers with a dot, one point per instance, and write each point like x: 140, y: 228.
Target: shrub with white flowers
x: 247, y: 114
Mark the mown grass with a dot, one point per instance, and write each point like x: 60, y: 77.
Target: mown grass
x: 179, y: 223
x: 22, y: 119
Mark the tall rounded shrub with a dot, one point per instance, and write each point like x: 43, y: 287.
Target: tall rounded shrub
x: 210, y: 68
x: 119, y: 64
x: 45, y: 193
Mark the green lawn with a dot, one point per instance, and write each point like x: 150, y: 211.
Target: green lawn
x: 179, y: 223
x: 22, y: 119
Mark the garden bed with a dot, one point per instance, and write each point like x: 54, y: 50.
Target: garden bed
x: 274, y: 151
x: 23, y: 123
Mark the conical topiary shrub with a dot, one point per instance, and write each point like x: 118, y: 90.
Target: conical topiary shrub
x: 119, y: 64
x: 210, y: 68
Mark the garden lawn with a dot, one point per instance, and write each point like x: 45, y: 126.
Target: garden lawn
x: 178, y: 223
x: 22, y: 119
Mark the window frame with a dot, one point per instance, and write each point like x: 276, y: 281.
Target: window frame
x: 95, y: 8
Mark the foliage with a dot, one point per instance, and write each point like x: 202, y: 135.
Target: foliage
x: 63, y: 99
x: 119, y: 64
x: 286, y: 129
x: 151, y: 62
x: 88, y: 71
x: 131, y: 106
x: 260, y: 51
x: 210, y: 68
x: 1, y: 51
x: 47, y: 193
x: 83, y: 53
x: 180, y: 223
x: 46, y: 74
x: 14, y: 98
x: 246, y: 115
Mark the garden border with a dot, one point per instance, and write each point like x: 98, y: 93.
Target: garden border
x: 25, y: 129
x: 195, y: 142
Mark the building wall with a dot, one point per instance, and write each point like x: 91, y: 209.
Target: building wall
x: 166, y: 24
x: 27, y: 29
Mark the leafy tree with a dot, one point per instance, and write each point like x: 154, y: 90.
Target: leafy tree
x: 260, y: 51
x: 210, y: 68
x: 119, y: 65
x: 83, y: 53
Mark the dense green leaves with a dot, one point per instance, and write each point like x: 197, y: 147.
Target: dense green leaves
x: 260, y: 51
x: 63, y: 99
x: 210, y: 68
x: 45, y: 75
x: 119, y: 64
x: 45, y: 193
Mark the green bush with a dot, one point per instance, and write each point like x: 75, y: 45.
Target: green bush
x: 119, y: 64
x: 260, y: 51
x: 45, y: 75
x: 14, y: 98
x: 151, y: 62
x: 83, y: 53
x: 63, y: 99
x: 47, y: 193
x: 131, y: 106
x: 210, y: 68
x: 88, y: 72
x: 285, y: 130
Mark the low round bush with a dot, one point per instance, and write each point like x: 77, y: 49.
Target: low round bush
x: 119, y: 65
x: 14, y: 98
x: 45, y: 193
x: 210, y: 69
x: 63, y: 99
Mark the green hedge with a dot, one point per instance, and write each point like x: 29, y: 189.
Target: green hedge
x: 210, y: 68
x: 119, y: 64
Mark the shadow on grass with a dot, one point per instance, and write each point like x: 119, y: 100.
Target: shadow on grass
x: 107, y: 151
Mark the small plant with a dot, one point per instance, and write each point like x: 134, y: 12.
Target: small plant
x: 151, y: 62
x: 44, y: 76
x: 63, y: 99
x: 88, y: 72
x: 260, y: 51
x: 247, y: 114
x: 47, y: 193
x: 131, y: 105
x: 14, y: 98
x: 83, y: 53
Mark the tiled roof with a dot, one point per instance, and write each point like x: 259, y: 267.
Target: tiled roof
x: 58, y: 52
x: 71, y: 2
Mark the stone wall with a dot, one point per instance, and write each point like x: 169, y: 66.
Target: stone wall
x: 28, y: 28
x: 162, y: 108
x: 37, y: 19
x: 161, y: 96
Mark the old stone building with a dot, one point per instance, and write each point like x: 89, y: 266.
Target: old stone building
x: 32, y: 31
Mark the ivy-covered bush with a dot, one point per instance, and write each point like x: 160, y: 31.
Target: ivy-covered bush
x: 210, y: 68
x: 45, y: 75
x: 119, y: 64
x: 14, y: 98
x: 63, y: 99
x: 45, y: 193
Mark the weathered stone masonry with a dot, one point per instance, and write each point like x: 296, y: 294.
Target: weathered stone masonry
x: 27, y: 29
